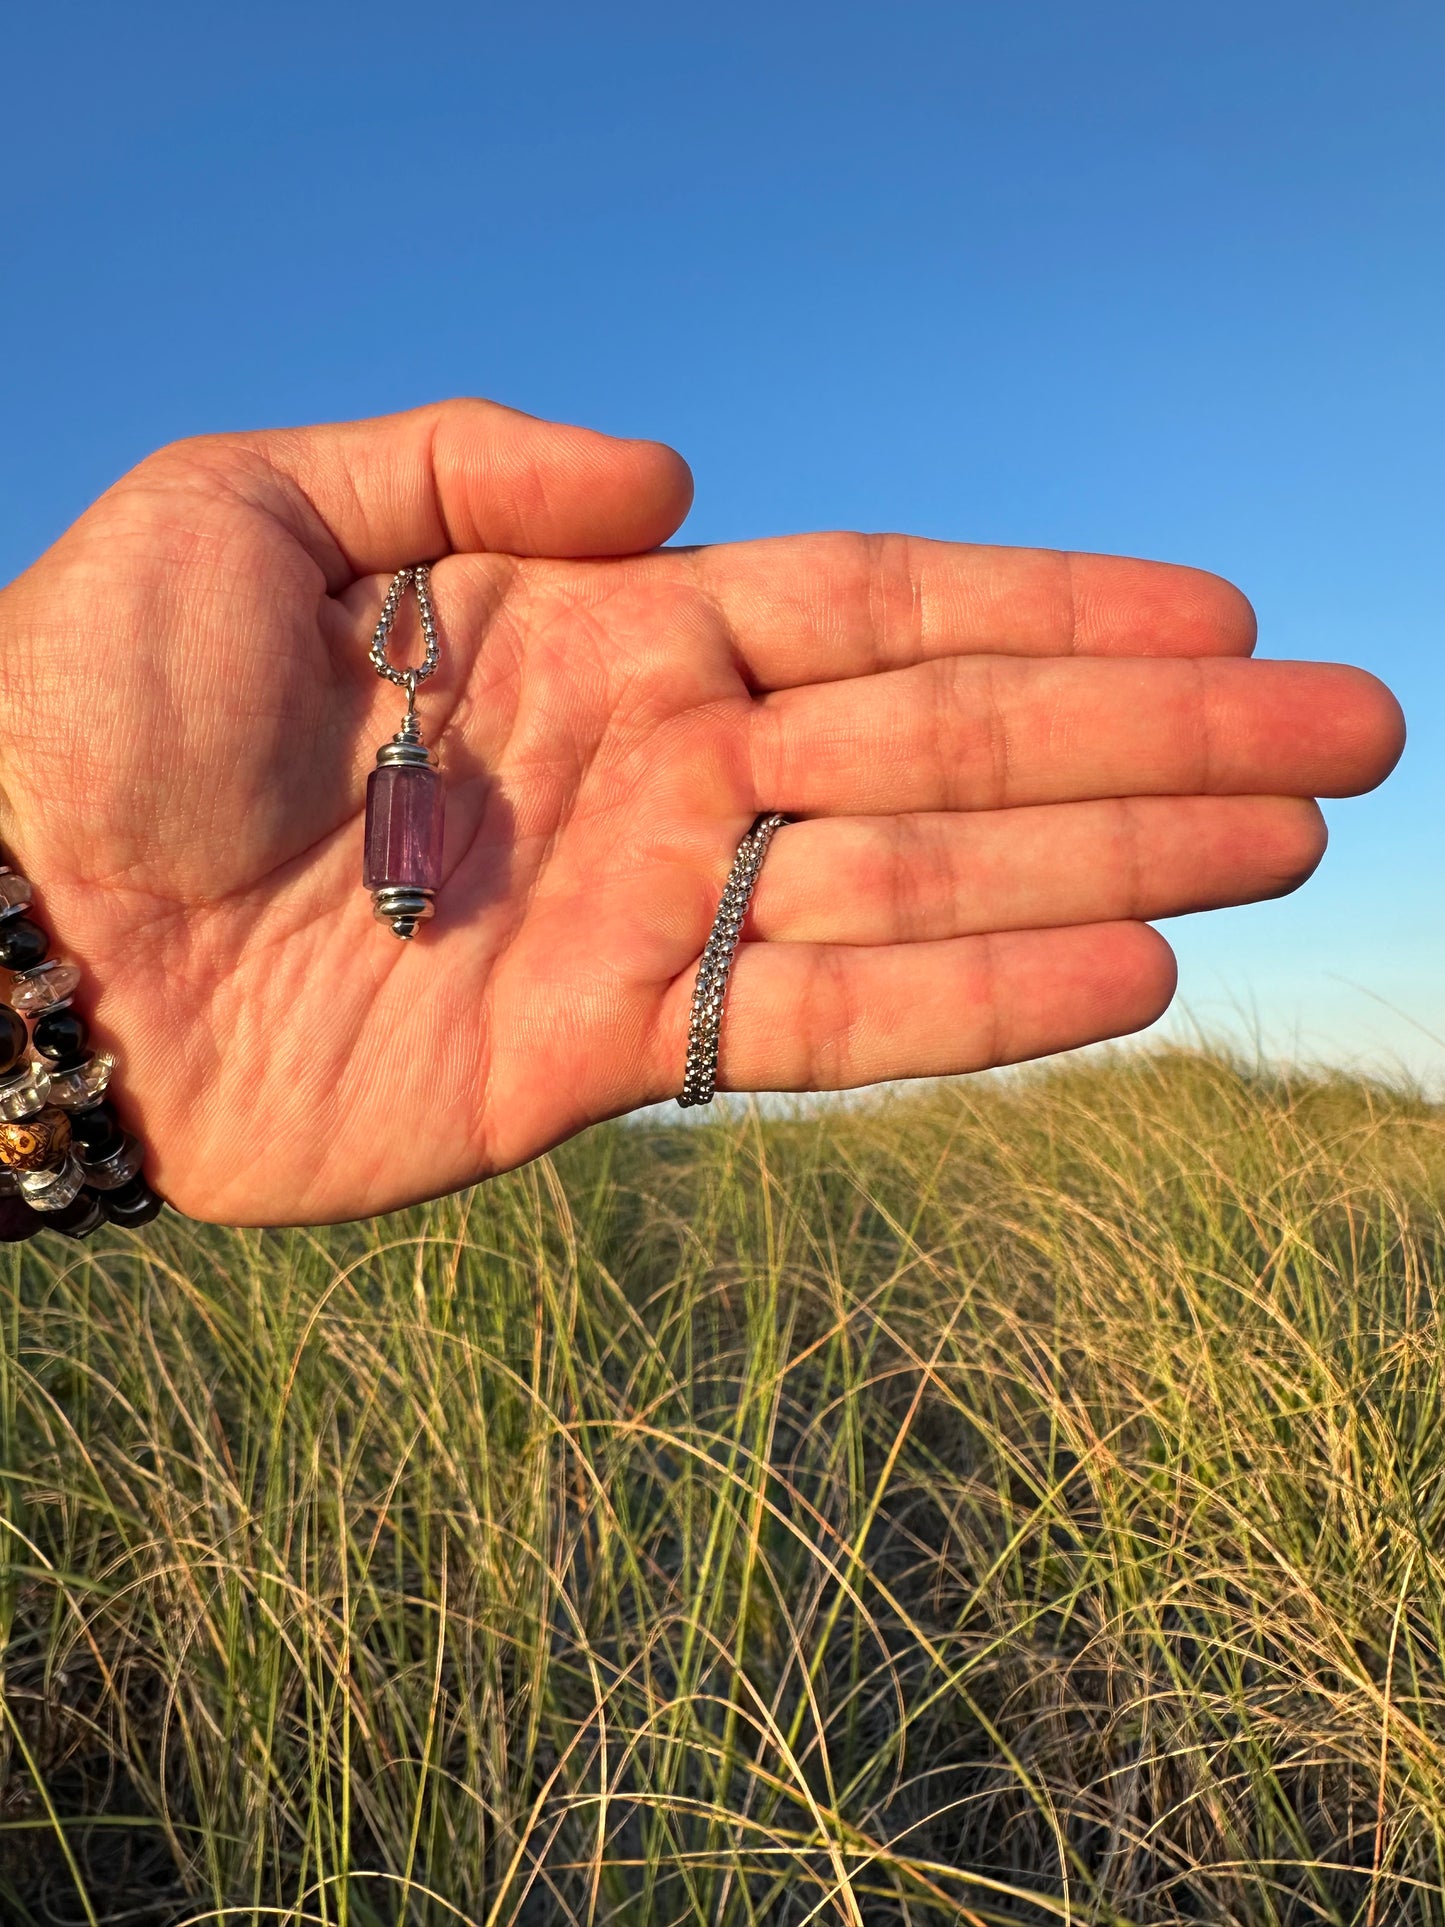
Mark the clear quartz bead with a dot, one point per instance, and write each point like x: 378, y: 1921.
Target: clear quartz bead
x: 74, y: 1090
x: 44, y: 987
x: 14, y: 891
x: 24, y: 1093
x: 52, y: 1190
x: 119, y: 1168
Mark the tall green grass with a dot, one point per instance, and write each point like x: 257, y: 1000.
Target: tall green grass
x: 1018, y: 1502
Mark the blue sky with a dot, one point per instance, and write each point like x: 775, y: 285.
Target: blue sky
x: 1163, y: 280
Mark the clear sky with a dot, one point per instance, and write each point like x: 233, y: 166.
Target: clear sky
x: 1158, y: 279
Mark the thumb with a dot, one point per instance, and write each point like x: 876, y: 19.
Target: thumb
x: 462, y: 476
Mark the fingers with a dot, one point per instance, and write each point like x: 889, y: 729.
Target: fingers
x: 991, y: 733
x: 462, y: 476
x: 809, y: 1017
x: 814, y: 608
x: 911, y: 879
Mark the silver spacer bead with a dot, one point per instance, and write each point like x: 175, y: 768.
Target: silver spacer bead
x: 402, y: 907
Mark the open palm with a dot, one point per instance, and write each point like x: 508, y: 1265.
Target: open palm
x: 1003, y: 762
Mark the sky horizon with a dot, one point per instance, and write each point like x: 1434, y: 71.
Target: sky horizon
x: 1149, y: 281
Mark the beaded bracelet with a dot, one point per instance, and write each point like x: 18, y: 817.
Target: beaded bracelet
x: 65, y: 1162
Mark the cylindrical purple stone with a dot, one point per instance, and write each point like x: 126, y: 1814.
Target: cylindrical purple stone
x: 404, y: 807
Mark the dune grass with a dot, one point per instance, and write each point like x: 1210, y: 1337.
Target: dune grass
x: 1019, y: 1501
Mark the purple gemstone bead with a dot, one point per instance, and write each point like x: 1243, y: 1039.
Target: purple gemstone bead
x: 404, y: 808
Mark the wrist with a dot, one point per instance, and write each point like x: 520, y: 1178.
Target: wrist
x: 67, y: 1162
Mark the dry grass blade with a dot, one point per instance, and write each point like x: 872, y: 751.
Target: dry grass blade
x: 1020, y: 1501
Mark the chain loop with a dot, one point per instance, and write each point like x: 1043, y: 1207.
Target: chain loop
x: 419, y: 577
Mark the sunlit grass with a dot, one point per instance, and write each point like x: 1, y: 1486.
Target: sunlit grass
x: 1019, y: 1501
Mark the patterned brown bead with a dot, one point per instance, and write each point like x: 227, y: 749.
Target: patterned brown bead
x: 36, y: 1143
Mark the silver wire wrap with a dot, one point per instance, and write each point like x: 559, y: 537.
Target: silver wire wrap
x: 699, y: 1078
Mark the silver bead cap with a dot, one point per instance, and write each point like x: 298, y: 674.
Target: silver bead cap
x: 402, y: 906
x: 396, y: 752
x: 406, y: 748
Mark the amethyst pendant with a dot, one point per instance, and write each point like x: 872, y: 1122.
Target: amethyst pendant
x: 404, y: 812
x: 403, y: 863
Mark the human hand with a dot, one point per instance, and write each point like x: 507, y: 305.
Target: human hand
x: 1005, y: 761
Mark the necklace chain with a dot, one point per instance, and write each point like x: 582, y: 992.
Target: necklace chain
x: 417, y: 576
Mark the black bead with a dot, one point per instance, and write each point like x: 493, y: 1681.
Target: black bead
x: 18, y: 1221
x: 96, y: 1133
x: 23, y: 944
x: 12, y: 1038
x: 85, y: 1213
x: 62, y: 1036
x: 132, y: 1204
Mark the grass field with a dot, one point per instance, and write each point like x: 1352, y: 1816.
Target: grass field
x: 1020, y: 1501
